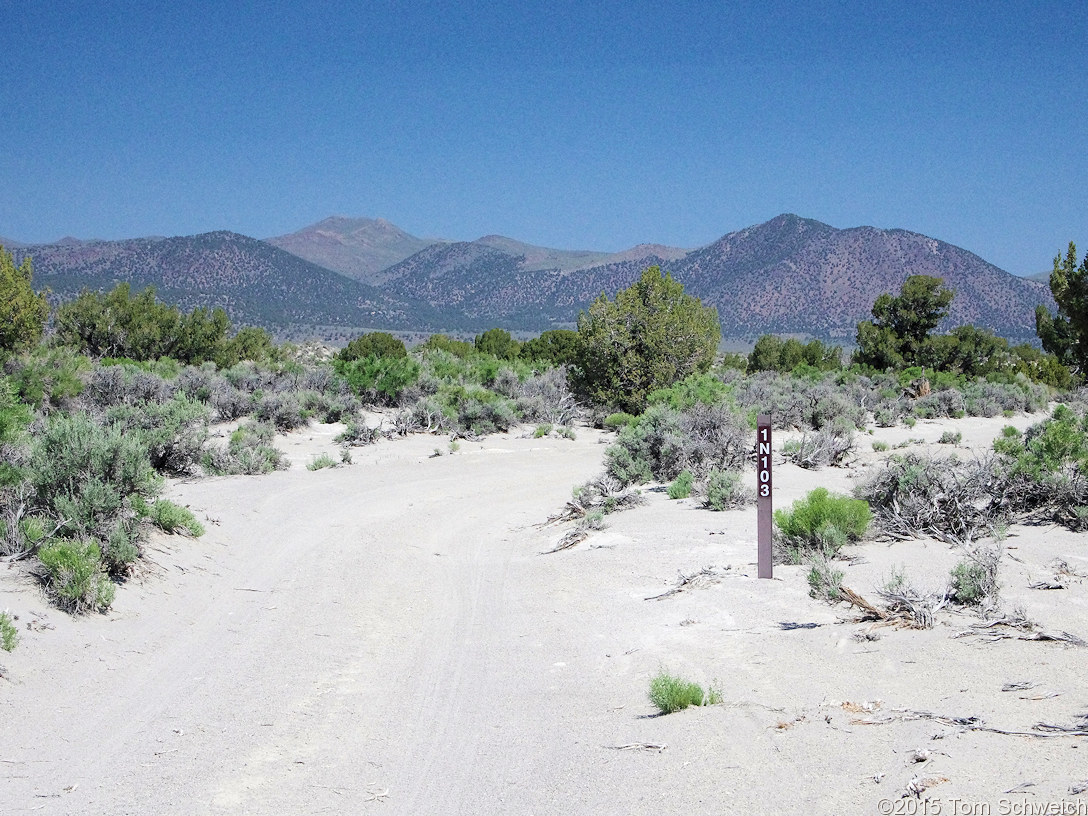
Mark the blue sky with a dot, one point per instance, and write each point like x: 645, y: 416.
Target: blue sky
x: 566, y: 124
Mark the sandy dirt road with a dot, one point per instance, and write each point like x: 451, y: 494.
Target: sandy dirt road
x: 386, y: 638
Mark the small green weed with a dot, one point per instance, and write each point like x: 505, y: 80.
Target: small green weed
x: 880, y: 447
x: 670, y: 693
x: 9, y: 635
x: 73, y: 573
x: 542, y: 430
x: 824, y: 581
x: 170, y: 518
x: 950, y: 438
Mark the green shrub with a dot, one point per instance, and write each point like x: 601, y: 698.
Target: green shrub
x: 556, y: 347
x: 542, y: 430
x: 651, y: 336
x: 23, y: 311
x: 321, y: 461
x: 950, y: 438
x: 379, y: 379
x: 9, y: 635
x: 440, y: 342
x: 499, y: 343
x: 567, y: 432
x: 670, y: 693
x: 822, y: 522
x: 374, y: 344
x: 619, y: 421
x: 170, y: 518
x: 693, y: 389
x: 681, y: 486
x: 49, y: 377
x: 880, y: 446
x: 72, y: 572
x: 725, y: 490
x: 14, y: 419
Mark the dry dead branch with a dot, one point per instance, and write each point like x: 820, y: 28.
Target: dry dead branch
x: 1051, y: 584
x: 1023, y: 685
x: 1039, y: 730
x: 1077, y: 729
x: 656, y: 747
x: 1017, y: 626
x: 569, y: 539
x: 906, y: 607
x: 707, y: 576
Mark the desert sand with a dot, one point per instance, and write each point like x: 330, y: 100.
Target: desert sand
x: 387, y: 637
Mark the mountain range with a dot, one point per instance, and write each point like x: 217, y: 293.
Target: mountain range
x: 789, y: 275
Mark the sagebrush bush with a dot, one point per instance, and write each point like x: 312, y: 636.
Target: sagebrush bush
x: 425, y: 415
x: 109, y: 386
x: 173, y: 431
x: 249, y: 451
x: 72, y: 573
x: 831, y: 445
x: 973, y: 581
x: 945, y: 403
x: 665, y: 442
x: 283, y: 410
x: 670, y: 693
x: 546, y: 397
x: 87, y: 477
x: 357, y: 433
x: 824, y: 581
x: 822, y: 522
x: 725, y: 490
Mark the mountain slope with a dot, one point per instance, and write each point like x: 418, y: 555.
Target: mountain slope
x: 252, y: 280
x: 788, y: 275
x: 798, y: 275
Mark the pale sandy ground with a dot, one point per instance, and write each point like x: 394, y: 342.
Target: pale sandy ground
x: 386, y: 638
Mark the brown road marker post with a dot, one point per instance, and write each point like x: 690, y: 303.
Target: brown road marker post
x: 763, y: 494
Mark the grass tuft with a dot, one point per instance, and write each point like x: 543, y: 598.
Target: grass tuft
x: 670, y: 693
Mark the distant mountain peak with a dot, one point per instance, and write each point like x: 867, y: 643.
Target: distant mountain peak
x: 360, y: 248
